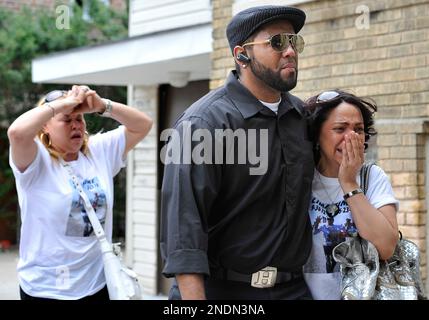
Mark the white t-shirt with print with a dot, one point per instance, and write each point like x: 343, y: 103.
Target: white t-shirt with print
x: 59, y: 255
x: 321, y: 272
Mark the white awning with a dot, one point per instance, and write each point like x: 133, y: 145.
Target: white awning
x: 143, y: 60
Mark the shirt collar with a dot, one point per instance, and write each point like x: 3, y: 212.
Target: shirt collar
x: 248, y: 105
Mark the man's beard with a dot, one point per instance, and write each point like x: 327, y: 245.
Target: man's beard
x: 272, y: 78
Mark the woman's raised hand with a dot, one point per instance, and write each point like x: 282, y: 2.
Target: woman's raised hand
x: 91, y: 103
x: 353, y: 158
x: 77, y: 100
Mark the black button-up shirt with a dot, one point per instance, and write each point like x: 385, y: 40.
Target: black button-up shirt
x: 219, y: 214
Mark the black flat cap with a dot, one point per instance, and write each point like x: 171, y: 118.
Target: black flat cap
x: 245, y: 23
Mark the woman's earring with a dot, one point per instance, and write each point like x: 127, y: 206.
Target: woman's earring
x: 317, y: 147
x: 46, y: 139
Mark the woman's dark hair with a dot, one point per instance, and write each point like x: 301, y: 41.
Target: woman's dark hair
x: 318, y: 110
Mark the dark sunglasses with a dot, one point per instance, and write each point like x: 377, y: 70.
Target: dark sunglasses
x: 327, y: 96
x: 280, y: 42
x: 54, y: 95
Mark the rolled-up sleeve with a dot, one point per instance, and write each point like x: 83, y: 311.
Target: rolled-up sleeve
x: 188, y: 192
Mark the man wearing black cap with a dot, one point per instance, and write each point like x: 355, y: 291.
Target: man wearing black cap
x: 227, y: 233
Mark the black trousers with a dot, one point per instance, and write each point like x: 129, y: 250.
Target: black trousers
x: 102, y: 295
x: 295, y: 289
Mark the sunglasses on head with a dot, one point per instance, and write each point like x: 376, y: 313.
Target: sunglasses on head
x: 280, y: 42
x: 54, y: 95
x: 327, y: 96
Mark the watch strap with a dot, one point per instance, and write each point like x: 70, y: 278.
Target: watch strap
x: 108, y: 109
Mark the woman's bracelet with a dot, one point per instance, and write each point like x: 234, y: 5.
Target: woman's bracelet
x: 352, y: 193
x: 52, y: 108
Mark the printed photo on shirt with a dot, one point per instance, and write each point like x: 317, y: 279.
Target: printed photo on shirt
x: 330, y: 229
x: 78, y: 224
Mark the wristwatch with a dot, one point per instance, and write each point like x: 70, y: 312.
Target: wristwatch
x: 352, y: 193
x: 108, y: 109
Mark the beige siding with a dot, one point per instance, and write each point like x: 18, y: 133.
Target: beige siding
x: 141, y: 232
x: 149, y: 16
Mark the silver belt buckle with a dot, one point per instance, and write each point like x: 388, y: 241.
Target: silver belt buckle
x: 264, y: 278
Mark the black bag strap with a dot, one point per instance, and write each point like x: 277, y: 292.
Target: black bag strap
x: 364, y: 181
x: 364, y: 175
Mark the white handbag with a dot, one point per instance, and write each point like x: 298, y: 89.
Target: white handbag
x: 122, y: 282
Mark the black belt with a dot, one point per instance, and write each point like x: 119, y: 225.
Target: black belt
x: 227, y: 274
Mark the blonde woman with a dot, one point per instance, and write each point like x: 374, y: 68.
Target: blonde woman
x: 59, y: 254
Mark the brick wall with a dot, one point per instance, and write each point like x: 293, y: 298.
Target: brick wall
x: 17, y: 4
x: 119, y: 5
x: 388, y: 62
x: 222, y: 61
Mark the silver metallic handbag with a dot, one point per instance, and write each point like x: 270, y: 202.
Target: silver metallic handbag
x: 359, y: 268
x: 365, y: 277
x: 399, y: 277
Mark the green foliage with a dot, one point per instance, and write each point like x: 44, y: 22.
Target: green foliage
x: 31, y: 33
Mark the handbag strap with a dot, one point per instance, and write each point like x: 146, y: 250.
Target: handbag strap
x: 364, y: 182
x: 98, y: 229
x: 364, y: 176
